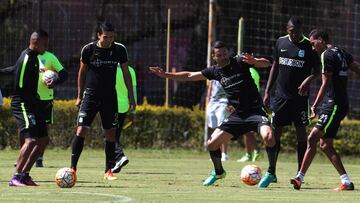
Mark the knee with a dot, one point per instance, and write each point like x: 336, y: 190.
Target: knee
x: 312, y: 140
x: 110, y: 135
x: 268, y: 137
x: 211, y: 146
x: 81, y: 131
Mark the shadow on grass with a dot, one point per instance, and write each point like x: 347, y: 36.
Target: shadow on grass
x: 151, y: 173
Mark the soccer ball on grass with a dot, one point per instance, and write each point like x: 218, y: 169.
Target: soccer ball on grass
x: 65, y: 178
x: 251, y: 174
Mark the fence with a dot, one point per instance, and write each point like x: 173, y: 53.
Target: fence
x: 141, y: 27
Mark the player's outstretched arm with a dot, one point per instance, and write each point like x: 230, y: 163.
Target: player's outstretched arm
x: 257, y: 62
x: 180, y: 76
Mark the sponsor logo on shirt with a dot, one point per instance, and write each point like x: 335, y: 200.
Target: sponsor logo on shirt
x: 283, y: 50
x: 291, y: 62
x: 301, y: 53
x: 98, y: 63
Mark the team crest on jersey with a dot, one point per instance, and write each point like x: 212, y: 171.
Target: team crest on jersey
x: 225, y: 81
x: 301, y: 53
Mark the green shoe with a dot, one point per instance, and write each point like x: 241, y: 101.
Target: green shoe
x: 213, y: 177
x: 266, y: 180
x: 256, y: 156
x: 245, y: 158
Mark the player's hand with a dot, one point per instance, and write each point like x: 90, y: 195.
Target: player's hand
x: 230, y: 108
x: 266, y: 100
x: 132, y: 105
x: 304, y: 88
x: 313, y: 112
x: 248, y: 58
x: 157, y: 71
x: 78, y: 102
x: 50, y: 83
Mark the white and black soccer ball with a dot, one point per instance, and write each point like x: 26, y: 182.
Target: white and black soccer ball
x: 65, y: 178
x: 49, y: 75
x: 251, y: 174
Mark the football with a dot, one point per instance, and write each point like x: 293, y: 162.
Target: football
x: 65, y: 178
x: 251, y: 174
x: 49, y: 75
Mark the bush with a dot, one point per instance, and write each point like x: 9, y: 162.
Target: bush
x: 156, y: 127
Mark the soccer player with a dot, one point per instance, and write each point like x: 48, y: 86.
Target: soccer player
x: 336, y: 66
x: 27, y: 109
x: 234, y: 75
x: 48, y: 61
x: 97, y: 93
x: 295, y: 66
x: 123, y: 113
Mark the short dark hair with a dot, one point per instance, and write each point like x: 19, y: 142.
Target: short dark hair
x: 106, y: 27
x: 316, y: 33
x: 42, y: 33
x: 295, y: 22
x: 219, y: 44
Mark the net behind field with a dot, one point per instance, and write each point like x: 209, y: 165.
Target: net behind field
x: 141, y: 27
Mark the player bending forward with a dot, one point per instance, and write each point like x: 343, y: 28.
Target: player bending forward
x: 234, y: 75
x: 336, y: 64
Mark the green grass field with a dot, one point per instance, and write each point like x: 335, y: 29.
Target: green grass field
x: 173, y: 176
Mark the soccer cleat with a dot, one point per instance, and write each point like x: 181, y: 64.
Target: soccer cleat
x: 343, y: 187
x: 109, y: 175
x: 245, y: 158
x: 119, y: 164
x: 39, y: 163
x: 267, y: 179
x: 16, y: 181
x: 213, y: 177
x: 27, y: 180
x: 256, y: 156
x: 296, y: 182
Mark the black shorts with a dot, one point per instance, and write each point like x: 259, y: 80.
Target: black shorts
x: 288, y: 111
x: 330, y: 119
x: 30, y: 119
x: 94, y: 102
x: 47, y: 106
x: 238, y: 123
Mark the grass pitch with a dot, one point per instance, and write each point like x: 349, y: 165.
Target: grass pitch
x: 173, y: 176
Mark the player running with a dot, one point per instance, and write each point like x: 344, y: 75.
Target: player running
x: 336, y: 64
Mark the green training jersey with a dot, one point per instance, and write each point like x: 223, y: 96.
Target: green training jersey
x: 255, y: 75
x: 121, y: 90
x: 47, y: 61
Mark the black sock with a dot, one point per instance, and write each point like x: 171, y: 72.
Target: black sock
x: 273, y: 153
x: 109, y: 155
x: 301, y: 149
x: 77, y: 147
x: 216, y: 159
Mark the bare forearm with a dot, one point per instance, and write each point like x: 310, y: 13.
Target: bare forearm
x: 261, y: 63
x: 81, y: 81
